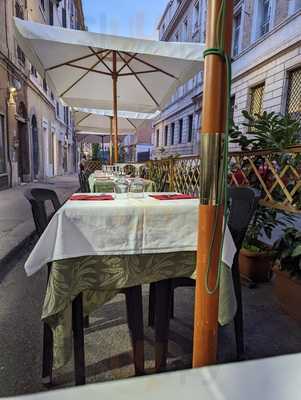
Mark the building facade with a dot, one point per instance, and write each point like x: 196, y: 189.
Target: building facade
x: 266, y: 53
x: 137, y: 148
x: 36, y: 131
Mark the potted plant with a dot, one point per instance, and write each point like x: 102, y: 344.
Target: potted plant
x: 287, y: 270
x: 255, y: 258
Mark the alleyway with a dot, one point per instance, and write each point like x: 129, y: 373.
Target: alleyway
x: 268, y: 332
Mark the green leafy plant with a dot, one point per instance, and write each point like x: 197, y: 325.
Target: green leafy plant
x: 287, y: 252
x: 264, y: 220
x: 95, y: 151
x: 266, y: 131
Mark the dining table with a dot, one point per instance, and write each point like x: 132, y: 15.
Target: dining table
x: 274, y: 378
x: 99, y: 244
x: 105, y: 183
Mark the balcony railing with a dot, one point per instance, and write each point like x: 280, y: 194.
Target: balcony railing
x: 276, y: 174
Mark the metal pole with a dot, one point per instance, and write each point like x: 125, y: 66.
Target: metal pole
x: 111, y: 141
x: 115, y: 116
x: 102, y: 148
x: 210, y: 212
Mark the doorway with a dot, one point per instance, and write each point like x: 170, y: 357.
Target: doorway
x: 23, y: 150
x: 35, y: 146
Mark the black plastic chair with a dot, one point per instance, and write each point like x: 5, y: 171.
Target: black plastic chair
x: 243, y: 203
x: 38, y: 198
x: 83, y: 182
x: 130, y: 169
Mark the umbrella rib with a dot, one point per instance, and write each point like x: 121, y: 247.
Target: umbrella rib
x: 131, y: 123
x: 101, y: 59
x: 77, y: 80
x: 153, y: 66
x: 141, y: 83
x: 85, y: 117
x: 84, y: 75
x: 126, y: 62
x: 138, y: 72
x: 89, y: 69
x: 74, y: 60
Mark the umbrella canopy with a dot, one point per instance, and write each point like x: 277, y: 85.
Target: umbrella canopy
x: 93, y: 137
x: 80, y: 66
x: 98, y: 121
x: 108, y: 72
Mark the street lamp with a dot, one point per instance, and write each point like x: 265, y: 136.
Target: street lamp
x: 12, y: 94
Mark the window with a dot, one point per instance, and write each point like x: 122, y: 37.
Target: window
x: 180, y: 130
x: 256, y: 99
x: 50, y: 12
x: 185, y: 33
x: 172, y: 139
x: 64, y: 17
x: 196, y: 13
x: 166, y: 136
x: 158, y: 138
x: 33, y: 71
x: 45, y: 87
x: 57, y: 109
x: 232, y: 108
x: 293, y: 103
x: 19, y: 10
x: 21, y: 56
x: 262, y: 18
x: 2, y: 146
x: 66, y: 115
x: 266, y: 16
x: 190, y: 128
x: 236, y: 33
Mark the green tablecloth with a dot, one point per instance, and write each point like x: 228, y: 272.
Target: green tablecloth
x: 107, y: 186
x: 100, y: 278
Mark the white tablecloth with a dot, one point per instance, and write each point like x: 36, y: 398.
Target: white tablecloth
x: 276, y: 378
x: 123, y: 227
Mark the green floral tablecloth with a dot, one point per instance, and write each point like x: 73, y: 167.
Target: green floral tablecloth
x: 107, y: 186
x: 100, y: 278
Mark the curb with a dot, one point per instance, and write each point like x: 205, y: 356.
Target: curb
x: 5, y: 262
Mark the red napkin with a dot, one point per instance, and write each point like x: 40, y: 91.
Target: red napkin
x: 172, y: 196
x: 91, y: 197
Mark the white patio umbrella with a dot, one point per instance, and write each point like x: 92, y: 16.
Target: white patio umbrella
x: 83, y: 68
x: 93, y: 120
x: 95, y: 137
x: 100, y: 122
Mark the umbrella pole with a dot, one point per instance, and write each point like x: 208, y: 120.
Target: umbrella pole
x: 115, y: 120
x: 210, y: 212
x: 111, y: 141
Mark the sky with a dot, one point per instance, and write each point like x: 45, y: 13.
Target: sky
x: 134, y: 18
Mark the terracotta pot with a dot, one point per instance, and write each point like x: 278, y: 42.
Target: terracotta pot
x: 255, y: 266
x: 288, y: 293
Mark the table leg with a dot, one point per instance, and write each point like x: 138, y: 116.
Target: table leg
x: 238, y: 319
x: 78, y: 340
x: 47, y: 355
x: 134, y: 307
x: 162, y: 313
x: 151, y: 304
